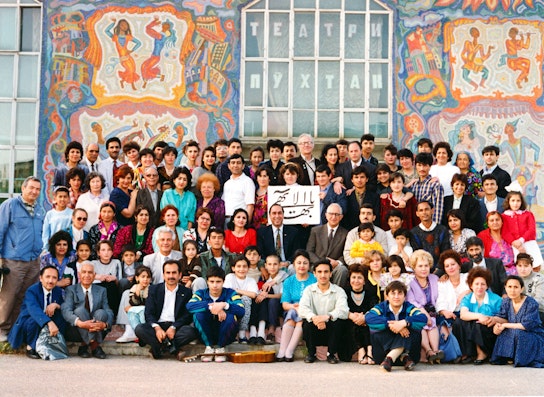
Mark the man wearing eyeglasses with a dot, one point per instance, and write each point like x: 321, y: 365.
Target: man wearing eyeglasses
x: 327, y: 242
x: 76, y: 229
x: 150, y: 196
x: 306, y: 159
x: 92, y: 158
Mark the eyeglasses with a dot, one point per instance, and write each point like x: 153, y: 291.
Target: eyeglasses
x: 333, y: 214
x: 151, y: 175
x: 82, y: 219
x: 93, y: 151
x: 306, y: 143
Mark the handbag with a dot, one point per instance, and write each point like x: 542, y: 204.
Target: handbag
x: 450, y: 345
x: 51, y: 347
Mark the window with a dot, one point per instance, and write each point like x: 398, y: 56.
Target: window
x: 317, y: 66
x: 20, y: 41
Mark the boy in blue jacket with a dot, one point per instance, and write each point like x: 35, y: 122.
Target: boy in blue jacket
x: 395, y: 327
x: 216, y: 311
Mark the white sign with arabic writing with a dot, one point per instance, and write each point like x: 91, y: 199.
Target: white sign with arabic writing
x: 301, y: 204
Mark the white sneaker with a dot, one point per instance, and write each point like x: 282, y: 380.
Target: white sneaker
x: 128, y: 335
x: 220, y: 359
x: 3, y: 335
x: 207, y: 359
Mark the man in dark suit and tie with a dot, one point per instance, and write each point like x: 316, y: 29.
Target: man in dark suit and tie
x: 306, y: 160
x: 150, y: 196
x: 168, y: 323
x: 41, y: 307
x: 277, y: 238
x: 475, y: 251
x: 86, y: 308
x: 327, y: 242
x: 490, y: 155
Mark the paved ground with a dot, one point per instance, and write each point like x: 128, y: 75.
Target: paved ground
x: 139, y: 376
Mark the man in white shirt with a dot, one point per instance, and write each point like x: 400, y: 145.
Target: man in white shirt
x: 108, y: 166
x: 239, y: 190
x: 165, y: 242
x: 306, y: 159
x: 168, y: 323
x: 491, y: 201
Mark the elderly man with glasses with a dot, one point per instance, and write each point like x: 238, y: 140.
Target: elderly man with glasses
x: 150, y: 196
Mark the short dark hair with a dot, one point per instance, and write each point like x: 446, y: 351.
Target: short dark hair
x: 61, y: 235
x: 459, y: 178
x: 358, y: 268
x: 84, y: 242
x: 235, y: 156
x: 73, y: 145
x: 220, y: 142
x: 73, y: 172
x: 365, y: 226
x: 476, y: 272
x: 486, y: 177
x: 524, y: 257
x: 274, y: 143
x: 239, y: 258
x: 171, y: 262
x: 396, y: 175
x: 361, y: 169
x: 113, y: 139
x: 491, y: 148
x: 398, y: 286
x: 251, y: 248
x: 443, y: 145
x: 395, y: 259
x: 394, y: 213
x: 103, y: 242
x: 185, y: 171
x: 382, y: 167
x: 447, y: 254
x: 405, y: 153
x: 424, y: 158
x: 323, y: 168
x: 403, y: 232
x: 368, y: 137
x: 216, y: 271
x: 341, y: 141
x: 189, y: 144
x: 128, y: 248
x: 425, y: 141
x: 290, y: 144
x: 391, y: 148
x: 216, y: 231
x: 146, y: 152
x: 234, y: 140
x: 256, y: 149
x: 43, y: 269
x: 170, y: 149
x: 301, y: 252
x: 459, y: 214
x: 425, y: 201
x: 131, y: 145
x: 161, y: 144
x: 472, y: 241
x: 515, y: 277
x: 322, y: 262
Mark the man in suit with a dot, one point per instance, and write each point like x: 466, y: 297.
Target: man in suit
x: 306, y: 160
x: 327, y: 194
x: 491, y: 157
x: 92, y: 158
x: 155, y: 261
x: 86, y: 308
x: 168, y: 323
x: 107, y: 167
x: 215, y: 256
x: 327, y: 242
x: 355, y: 159
x: 277, y: 238
x: 41, y: 307
x: 150, y: 196
x: 77, y: 228
x: 475, y: 251
x: 359, y: 196
x: 491, y: 201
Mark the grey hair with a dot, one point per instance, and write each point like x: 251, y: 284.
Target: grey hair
x: 31, y: 179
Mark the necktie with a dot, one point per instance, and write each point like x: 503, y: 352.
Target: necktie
x: 331, y: 236
x: 166, y: 258
x: 92, y: 167
x: 115, y: 172
x: 48, y: 300
x: 278, y: 243
x: 87, y: 302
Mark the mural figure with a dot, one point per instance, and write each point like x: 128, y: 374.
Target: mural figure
x: 165, y: 38
x: 122, y: 38
x: 513, y: 61
x: 474, y: 63
x: 516, y: 148
x: 463, y: 138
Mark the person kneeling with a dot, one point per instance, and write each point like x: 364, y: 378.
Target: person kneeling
x: 216, y: 311
x: 323, y: 305
x: 395, y: 327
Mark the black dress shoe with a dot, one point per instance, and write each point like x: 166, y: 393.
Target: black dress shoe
x: 280, y: 359
x: 480, y: 362
x: 331, y: 359
x: 289, y: 359
x: 31, y: 353
x: 83, y: 352
x: 310, y: 358
x: 260, y: 341
x: 99, y: 353
x: 156, y: 352
x: 252, y: 340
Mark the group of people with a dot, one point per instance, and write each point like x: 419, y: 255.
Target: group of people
x: 404, y: 251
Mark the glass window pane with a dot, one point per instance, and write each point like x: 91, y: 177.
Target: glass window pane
x: 253, y: 123
x: 327, y: 124
x: 279, y: 4
x: 5, y: 162
x: 8, y: 30
x: 254, y: 34
x: 278, y: 84
x: 379, y: 85
x: 277, y: 124
x: 354, y: 125
x: 25, y: 129
x: 31, y: 32
x: 303, y: 85
x: 304, y: 3
x: 303, y: 123
x: 354, y: 85
x: 5, y: 117
x: 254, y: 84
x: 355, y: 36
x: 375, y: 6
x: 331, y: 4
x: 304, y: 34
x: 28, y: 77
x: 355, y: 6
x: 329, y: 35
x: 279, y: 36
x: 24, y: 167
x: 329, y: 85
x: 379, y: 37
x: 27, y: 1
x: 6, y: 76
x: 378, y: 124
x: 259, y: 6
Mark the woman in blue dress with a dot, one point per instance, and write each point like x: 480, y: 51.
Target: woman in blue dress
x: 520, y: 333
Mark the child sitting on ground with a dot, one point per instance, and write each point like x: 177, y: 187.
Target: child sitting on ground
x: 108, y: 272
x: 396, y: 271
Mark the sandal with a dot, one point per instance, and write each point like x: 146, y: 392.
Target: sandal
x: 431, y: 357
x: 364, y: 360
x: 371, y: 360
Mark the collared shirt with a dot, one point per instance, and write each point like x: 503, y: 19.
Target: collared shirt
x: 427, y: 190
x: 45, y: 292
x: 168, y: 309
x: 428, y: 229
x: 154, y: 196
x: 310, y: 167
x: 481, y: 264
x: 456, y: 203
x: 90, y: 300
x: 275, y: 232
x: 29, y: 207
x: 77, y: 234
x: 332, y: 302
x: 90, y: 165
x: 354, y: 165
x: 487, y: 171
x: 334, y: 229
x: 491, y: 205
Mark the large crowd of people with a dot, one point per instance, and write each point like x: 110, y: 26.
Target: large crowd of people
x: 406, y: 254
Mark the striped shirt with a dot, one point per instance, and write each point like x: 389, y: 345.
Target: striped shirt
x: 430, y: 191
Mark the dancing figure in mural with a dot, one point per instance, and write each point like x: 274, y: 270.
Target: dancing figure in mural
x: 165, y: 38
x: 463, y: 138
x: 122, y: 38
x: 513, y: 61
x: 516, y: 148
x: 472, y: 62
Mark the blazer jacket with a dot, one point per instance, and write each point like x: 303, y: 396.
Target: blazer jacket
x: 155, y: 302
x: 318, y: 245
x: 503, y: 179
x: 471, y: 210
x: 266, y: 245
x: 75, y: 298
x: 483, y: 208
x: 144, y: 198
x: 498, y: 274
x: 155, y: 262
